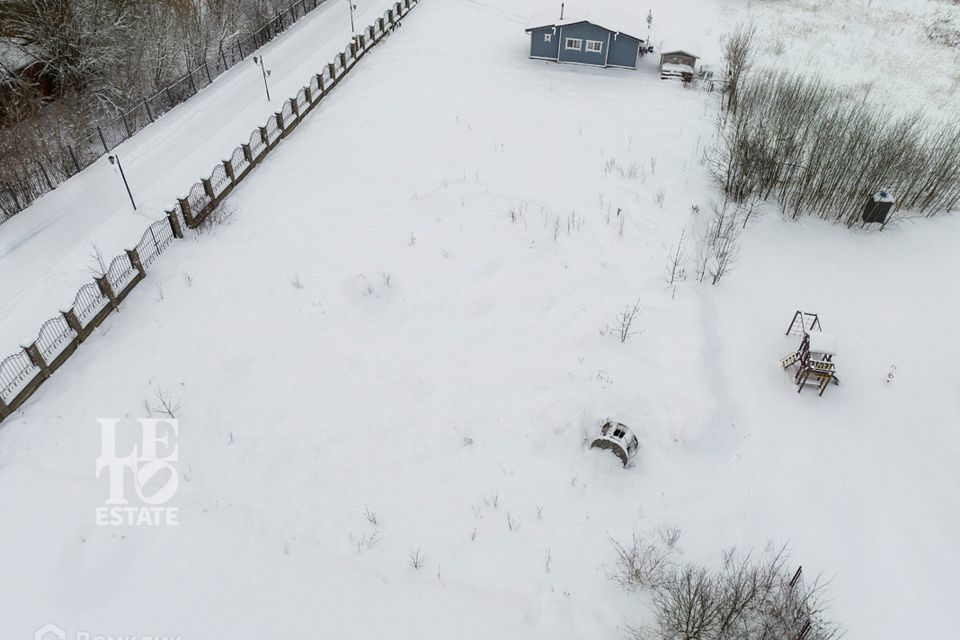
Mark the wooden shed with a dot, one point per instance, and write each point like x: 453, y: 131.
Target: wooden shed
x: 676, y: 63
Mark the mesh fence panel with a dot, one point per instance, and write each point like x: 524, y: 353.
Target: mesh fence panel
x: 198, y: 198
x: 219, y: 179
x: 15, y: 371
x: 88, y: 302
x: 239, y: 162
x: 55, y: 335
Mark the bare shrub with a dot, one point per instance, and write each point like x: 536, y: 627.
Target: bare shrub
x: 640, y: 564
x: 677, y: 259
x: 165, y: 403
x: 809, y: 146
x: 98, y: 265
x: 748, y: 598
x: 737, y: 58
x: 623, y: 325
x: 416, y: 559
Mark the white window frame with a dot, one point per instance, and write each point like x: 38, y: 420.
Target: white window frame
x: 577, y: 47
x: 548, y: 37
x: 594, y: 46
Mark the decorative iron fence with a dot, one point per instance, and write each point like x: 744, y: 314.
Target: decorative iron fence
x: 23, y: 372
x: 17, y: 194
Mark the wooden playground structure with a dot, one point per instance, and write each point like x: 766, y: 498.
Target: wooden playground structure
x: 815, y: 357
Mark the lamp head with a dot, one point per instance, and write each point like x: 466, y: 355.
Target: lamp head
x: 112, y: 159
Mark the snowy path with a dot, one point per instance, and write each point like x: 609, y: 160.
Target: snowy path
x: 44, y: 250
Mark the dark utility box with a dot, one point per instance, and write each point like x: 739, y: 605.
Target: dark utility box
x: 878, y: 207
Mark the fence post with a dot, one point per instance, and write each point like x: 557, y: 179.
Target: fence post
x: 264, y: 137
x: 192, y: 86
x: 343, y: 60
x: 126, y: 125
x: 382, y: 27
x: 74, y: 323
x: 296, y: 109
x: 4, y: 409
x: 224, y: 58
x: 228, y: 167
x: 360, y: 38
x: 308, y: 92
x: 207, y: 69
x: 333, y: 71
x: 37, y: 358
x: 174, y: 224
x: 208, y: 188
x: 107, y: 290
x: 247, y: 153
x: 146, y: 105
x: 323, y: 89
x: 102, y: 141
x: 240, y: 47
x: 73, y: 157
x: 136, y: 262
x: 187, y: 212
x: 169, y: 97
x: 45, y: 175
x: 279, y: 117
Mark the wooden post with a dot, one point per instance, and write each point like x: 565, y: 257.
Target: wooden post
x: 74, y: 323
x: 187, y: 212
x: 323, y: 89
x: 37, y: 358
x: 228, y: 166
x: 107, y: 290
x: 296, y: 109
x: 136, y: 262
x: 208, y: 188
x: 343, y: 60
x: 102, y: 141
x: 174, y: 224
x: 4, y: 409
x: 146, y: 105
x: 333, y: 71
x: 247, y: 153
x: 309, y: 94
x: 264, y: 137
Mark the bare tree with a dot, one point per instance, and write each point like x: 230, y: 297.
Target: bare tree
x: 677, y: 259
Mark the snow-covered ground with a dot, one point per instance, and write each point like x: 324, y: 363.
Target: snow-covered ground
x: 45, y: 250
x: 894, y: 53
x: 371, y: 329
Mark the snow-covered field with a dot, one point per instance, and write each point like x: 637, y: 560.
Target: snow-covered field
x: 894, y: 53
x: 405, y: 315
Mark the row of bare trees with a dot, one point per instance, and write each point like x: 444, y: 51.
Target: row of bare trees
x: 67, y: 66
x: 751, y: 597
x: 109, y: 53
x: 807, y: 145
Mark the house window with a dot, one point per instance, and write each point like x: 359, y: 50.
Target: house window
x: 573, y: 44
x: 594, y: 46
x: 547, y: 37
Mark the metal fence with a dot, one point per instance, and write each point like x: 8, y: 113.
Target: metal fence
x: 23, y: 372
x: 28, y: 185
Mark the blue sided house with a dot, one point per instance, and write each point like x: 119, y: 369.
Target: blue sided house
x: 593, y: 32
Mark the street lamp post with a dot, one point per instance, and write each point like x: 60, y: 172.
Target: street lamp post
x: 352, y: 7
x: 266, y: 72
x: 116, y: 160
